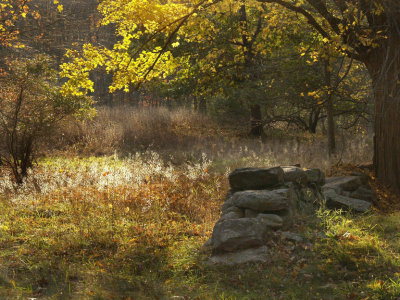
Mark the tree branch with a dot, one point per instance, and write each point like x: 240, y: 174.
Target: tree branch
x: 323, y: 11
x: 310, y: 19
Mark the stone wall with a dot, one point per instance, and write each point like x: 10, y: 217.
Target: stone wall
x: 263, y: 200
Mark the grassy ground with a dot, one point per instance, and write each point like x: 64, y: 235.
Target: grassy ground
x: 105, y: 228
x: 132, y: 227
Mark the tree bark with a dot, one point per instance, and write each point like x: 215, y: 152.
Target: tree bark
x: 329, y: 110
x: 256, y: 125
x: 313, y: 120
x: 384, y: 67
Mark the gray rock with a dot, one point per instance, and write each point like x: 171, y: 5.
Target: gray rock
x: 363, y: 177
x: 229, y: 194
x: 290, y: 236
x: 233, y: 209
x: 342, y: 183
x: 292, y: 197
x: 235, y: 234
x: 255, y: 178
x: 254, y: 255
x: 364, y: 193
x: 262, y: 200
x: 232, y: 215
x: 271, y: 220
x: 333, y: 200
x: 294, y: 174
x: 249, y: 213
x: 315, y: 175
x: 287, y: 216
x: 228, y: 204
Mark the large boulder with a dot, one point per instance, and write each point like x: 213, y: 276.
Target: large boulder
x: 342, y: 183
x: 255, y: 178
x: 255, y: 255
x: 236, y: 234
x: 262, y: 200
x: 333, y: 200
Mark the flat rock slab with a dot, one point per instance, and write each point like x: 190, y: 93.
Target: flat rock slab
x: 254, y: 255
x: 262, y: 200
x: 342, y: 183
x: 255, y: 178
x: 333, y: 200
x: 236, y: 234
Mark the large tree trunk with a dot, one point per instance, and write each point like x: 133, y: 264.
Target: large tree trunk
x: 384, y: 67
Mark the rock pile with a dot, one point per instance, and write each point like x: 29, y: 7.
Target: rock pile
x: 348, y: 192
x: 262, y: 200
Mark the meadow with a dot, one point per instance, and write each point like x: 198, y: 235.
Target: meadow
x: 119, y: 207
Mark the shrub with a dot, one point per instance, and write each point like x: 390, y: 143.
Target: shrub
x: 31, y: 104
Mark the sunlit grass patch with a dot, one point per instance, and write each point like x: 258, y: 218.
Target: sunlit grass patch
x: 363, y: 249
x: 102, y: 219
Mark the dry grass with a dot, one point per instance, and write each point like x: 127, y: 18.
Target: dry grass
x: 182, y: 135
x: 76, y: 224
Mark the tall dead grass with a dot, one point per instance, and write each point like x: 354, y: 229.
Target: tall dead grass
x: 181, y: 136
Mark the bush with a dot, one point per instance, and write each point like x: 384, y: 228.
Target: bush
x: 31, y: 104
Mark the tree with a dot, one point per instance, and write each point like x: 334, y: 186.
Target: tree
x: 31, y: 104
x: 11, y: 11
x: 368, y: 31
x: 364, y: 30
